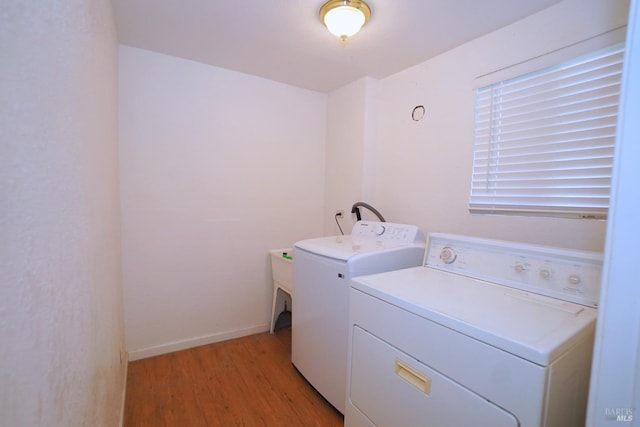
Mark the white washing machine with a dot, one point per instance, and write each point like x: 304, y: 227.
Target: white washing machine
x: 322, y: 270
x: 486, y: 333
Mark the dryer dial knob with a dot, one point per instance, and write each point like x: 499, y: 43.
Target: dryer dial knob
x: 574, y: 279
x: 447, y: 255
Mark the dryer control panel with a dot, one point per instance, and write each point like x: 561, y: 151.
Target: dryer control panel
x: 570, y: 275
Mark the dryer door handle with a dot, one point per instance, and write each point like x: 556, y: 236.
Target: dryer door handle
x: 413, y: 377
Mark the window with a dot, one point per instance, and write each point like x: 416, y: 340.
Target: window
x: 543, y: 142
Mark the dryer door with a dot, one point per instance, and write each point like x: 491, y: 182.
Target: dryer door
x: 391, y: 388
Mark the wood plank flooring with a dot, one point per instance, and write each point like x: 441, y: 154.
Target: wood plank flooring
x: 248, y: 381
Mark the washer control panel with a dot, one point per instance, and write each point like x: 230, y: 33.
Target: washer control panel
x: 385, y: 234
x: 570, y: 275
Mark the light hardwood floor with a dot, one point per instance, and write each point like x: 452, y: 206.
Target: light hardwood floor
x: 248, y: 381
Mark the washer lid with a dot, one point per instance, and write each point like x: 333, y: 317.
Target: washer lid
x: 344, y: 248
x: 531, y: 326
x: 336, y: 247
x: 366, y: 236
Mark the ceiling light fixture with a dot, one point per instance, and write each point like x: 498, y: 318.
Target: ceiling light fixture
x: 344, y: 18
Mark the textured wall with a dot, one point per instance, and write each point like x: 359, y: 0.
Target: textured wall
x: 61, y: 324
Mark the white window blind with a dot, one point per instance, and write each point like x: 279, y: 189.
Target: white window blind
x: 543, y: 142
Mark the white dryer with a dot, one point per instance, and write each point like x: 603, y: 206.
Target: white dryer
x: 486, y: 333
x: 322, y: 270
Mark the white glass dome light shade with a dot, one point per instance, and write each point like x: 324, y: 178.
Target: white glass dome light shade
x: 344, y: 21
x: 344, y: 18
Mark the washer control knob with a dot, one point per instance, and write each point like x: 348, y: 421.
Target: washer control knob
x: 519, y: 268
x: 447, y: 255
x: 545, y: 274
x: 379, y: 230
x: 574, y: 279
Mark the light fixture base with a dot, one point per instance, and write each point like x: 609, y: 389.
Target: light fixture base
x: 344, y: 18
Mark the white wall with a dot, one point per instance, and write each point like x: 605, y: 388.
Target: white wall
x: 350, y: 154
x: 422, y: 172
x: 61, y: 319
x: 217, y: 167
x: 345, y: 148
x: 615, y: 377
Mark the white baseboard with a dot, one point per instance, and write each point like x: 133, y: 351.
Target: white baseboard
x: 170, y: 347
x: 124, y: 388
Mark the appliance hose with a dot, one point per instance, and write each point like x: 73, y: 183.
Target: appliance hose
x: 355, y: 209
